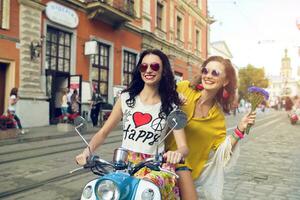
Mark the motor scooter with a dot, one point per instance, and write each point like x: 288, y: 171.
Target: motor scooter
x: 116, y: 180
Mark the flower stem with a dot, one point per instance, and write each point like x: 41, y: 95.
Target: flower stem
x: 249, y: 125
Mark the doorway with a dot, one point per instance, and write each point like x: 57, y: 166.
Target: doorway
x: 56, y: 82
x: 3, y: 70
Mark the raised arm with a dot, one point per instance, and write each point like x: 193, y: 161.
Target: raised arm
x: 100, y: 136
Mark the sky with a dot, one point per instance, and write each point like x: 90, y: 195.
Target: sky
x: 258, y: 31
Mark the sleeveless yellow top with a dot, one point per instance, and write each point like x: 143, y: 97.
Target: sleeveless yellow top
x: 202, y: 134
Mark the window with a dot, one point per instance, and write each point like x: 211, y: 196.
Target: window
x: 4, y: 14
x: 100, y: 69
x: 129, y: 7
x: 179, y: 24
x: 198, y: 40
x: 159, y: 15
x: 129, y: 62
x: 198, y: 4
x: 58, y: 50
x: 178, y: 76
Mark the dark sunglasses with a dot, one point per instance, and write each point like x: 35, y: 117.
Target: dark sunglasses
x: 214, y: 72
x: 153, y: 66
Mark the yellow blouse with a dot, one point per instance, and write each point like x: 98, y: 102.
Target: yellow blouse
x: 203, y: 134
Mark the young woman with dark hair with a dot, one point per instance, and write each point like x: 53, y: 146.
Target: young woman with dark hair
x: 207, y: 98
x: 150, y: 97
x: 166, y: 88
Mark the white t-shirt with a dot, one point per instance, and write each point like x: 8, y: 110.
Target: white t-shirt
x: 12, y: 107
x: 142, y: 127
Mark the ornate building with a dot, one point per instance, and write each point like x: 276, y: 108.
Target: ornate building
x: 87, y: 44
x: 285, y: 84
x: 220, y: 48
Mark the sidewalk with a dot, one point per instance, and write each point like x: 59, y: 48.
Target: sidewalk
x: 48, y: 132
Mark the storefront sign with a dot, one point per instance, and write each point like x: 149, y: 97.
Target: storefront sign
x: 75, y: 83
x: 90, y: 48
x: 62, y: 15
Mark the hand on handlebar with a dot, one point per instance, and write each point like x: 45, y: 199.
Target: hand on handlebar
x: 173, y: 157
x: 81, y: 159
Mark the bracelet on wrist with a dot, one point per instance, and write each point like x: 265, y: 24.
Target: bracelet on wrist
x: 235, y: 136
x: 240, y: 130
x: 239, y: 133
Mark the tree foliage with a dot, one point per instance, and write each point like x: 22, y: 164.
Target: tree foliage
x: 251, y: 76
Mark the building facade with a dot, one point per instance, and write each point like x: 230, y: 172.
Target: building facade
x: 285, y: 84
x: 47, y: 46
x: 180, y: 29
x: 220, y: 48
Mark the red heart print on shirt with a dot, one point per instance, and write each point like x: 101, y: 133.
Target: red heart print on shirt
x: 141, y: 119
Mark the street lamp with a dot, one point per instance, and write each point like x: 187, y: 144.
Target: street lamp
x: 35, y: 50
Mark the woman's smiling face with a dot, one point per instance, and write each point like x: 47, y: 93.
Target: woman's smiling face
x: 213, y: 76
x: 151, y: 69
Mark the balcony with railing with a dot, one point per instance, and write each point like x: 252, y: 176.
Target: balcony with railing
x: 114, y: 12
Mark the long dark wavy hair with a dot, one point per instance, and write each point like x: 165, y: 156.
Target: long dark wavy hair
x: 230, y: 87
x: 167, y: 84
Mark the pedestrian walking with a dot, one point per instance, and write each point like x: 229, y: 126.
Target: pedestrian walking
x: 297, y: 102
x: 12, y: 104
x: 235, y: 105
x: 75, y: 102
x: 95, y: 106
x: 207, y: 99
x: 64, y: 102
x: 296, y: 107
x: 69, y: 94
x: 288, y: 106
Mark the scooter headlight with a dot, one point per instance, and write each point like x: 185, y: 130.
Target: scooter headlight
x: 108, y: 190
x: 148, y: 194
x: 87, y: 192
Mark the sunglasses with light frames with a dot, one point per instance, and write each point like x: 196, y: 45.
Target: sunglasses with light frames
x: 214, y: 72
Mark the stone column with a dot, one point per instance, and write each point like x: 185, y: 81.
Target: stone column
x: 33, y: 109
x: 30, y: 31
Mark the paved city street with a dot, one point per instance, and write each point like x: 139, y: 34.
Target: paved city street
x: 37, y: 165
x: 269, y: 163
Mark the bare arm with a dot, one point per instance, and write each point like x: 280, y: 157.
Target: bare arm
x: 112, y: 121
x: 181, y: 143
x: 182, y: 148
x: 249, y: 118
x: 100, y: 136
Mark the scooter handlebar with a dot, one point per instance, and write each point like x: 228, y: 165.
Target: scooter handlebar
x: 154, y: 163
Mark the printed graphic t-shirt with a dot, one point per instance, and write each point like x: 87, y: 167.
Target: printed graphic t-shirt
x: 142, y: 126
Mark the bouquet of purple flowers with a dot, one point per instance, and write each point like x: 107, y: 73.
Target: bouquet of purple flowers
x: 256, y: 96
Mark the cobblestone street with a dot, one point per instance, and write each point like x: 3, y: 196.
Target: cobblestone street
x: 269, y: 163
x: 37, y: 165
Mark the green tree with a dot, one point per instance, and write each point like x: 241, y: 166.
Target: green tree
x: 251, y: 76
